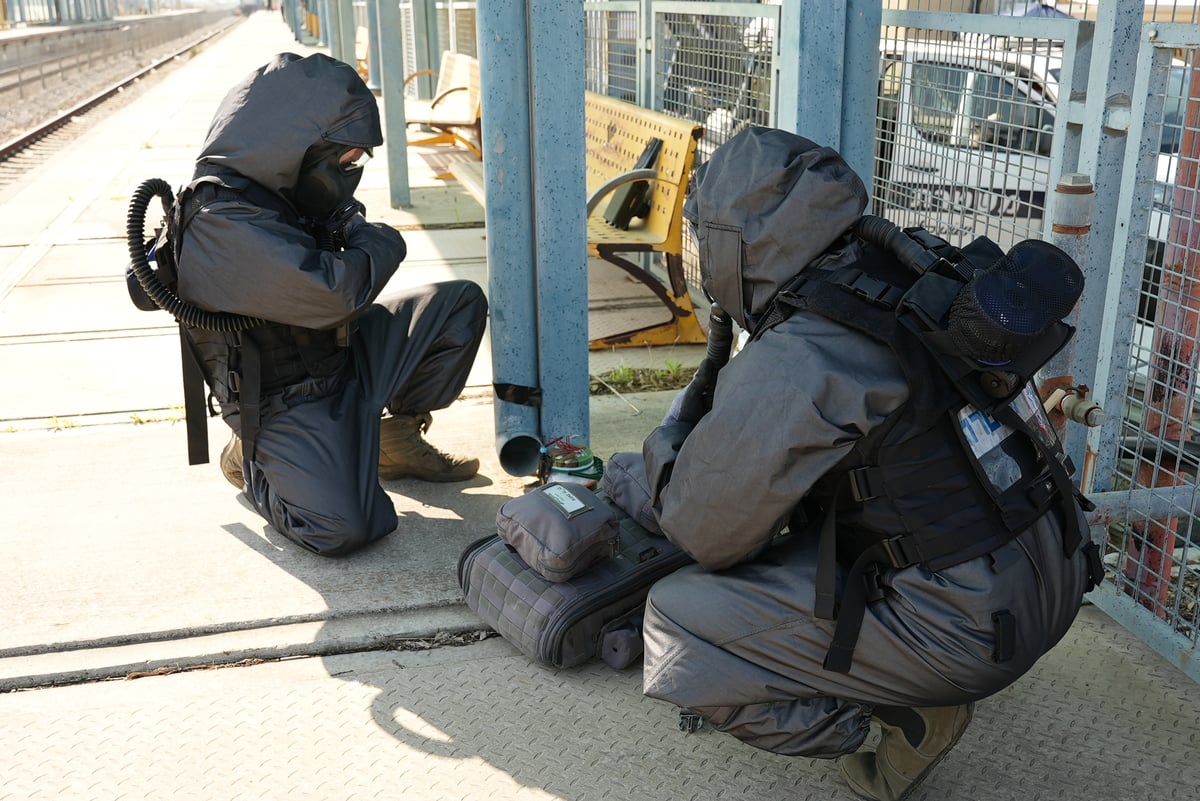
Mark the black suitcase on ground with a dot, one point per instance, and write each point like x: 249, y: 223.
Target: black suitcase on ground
x: 596, y: 614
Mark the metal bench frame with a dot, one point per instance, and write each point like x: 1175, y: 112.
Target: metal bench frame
x: 454, y: 110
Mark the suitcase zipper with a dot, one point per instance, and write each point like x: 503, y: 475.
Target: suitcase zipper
x: 550, y: 646
x: 467, y: 556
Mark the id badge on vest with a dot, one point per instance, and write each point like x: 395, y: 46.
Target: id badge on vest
x: 1002, y: 455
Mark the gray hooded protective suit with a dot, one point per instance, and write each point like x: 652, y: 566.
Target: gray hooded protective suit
x: 245, y: 248
x: 734, y: 638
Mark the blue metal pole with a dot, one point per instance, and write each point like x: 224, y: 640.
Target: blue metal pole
x: 556, y: 47
x: 322, y: 23
x: 512, y: 291
x: 346, y: 30
x: 427, y: 53
x: 334, y: 38
x: 646, y: 55
x: 295, y: 19
x: 373, y: 77
x: 395, y: 132
x: 829, y: 52
x: 812, y: 46
x: 861, y: 82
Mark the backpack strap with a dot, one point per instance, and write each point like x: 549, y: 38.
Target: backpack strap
x: 194, y: 399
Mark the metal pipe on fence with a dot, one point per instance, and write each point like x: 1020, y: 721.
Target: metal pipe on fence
x: 1072, y: 210
x: 1146, y: 503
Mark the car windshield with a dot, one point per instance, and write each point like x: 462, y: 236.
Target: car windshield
x: 1173, y: 111
x: 970, y: 106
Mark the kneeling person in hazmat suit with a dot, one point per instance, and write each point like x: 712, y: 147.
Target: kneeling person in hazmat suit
x: 922, y: 565
x: 269, y: 229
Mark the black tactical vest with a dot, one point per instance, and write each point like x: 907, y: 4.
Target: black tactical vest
x: 941, y: 480
x: 243, y: 368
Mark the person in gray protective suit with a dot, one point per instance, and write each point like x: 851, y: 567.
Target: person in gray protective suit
x: 820, y: 476
x: 269, y: 229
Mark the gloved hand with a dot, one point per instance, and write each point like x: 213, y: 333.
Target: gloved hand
x: 346, y: 218
x: 695, y: 400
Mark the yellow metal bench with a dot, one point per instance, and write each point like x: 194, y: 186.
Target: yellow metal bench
x: 454, y: 110
x: 616, y: 134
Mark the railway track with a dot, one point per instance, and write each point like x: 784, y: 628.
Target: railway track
x: 29, y: 148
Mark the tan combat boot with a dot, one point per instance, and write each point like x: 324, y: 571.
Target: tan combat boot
x: 403, y: 452
x: 231, y: 462
x: 914, y: 741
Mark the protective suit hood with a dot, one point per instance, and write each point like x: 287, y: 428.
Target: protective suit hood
x: 266, y: 123
x: 765, y: 206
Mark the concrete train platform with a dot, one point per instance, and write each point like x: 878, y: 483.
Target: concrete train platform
x: 160, y: 640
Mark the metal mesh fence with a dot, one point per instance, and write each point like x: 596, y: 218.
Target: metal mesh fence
x: 1156, y: 10
x: 1157, y: 561
x: 456, y: 27
x: 964, y: 130
x: 717, y: 70
x: 610, y: 50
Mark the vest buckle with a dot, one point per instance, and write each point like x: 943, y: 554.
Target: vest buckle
x: 865, y: 484
x: 899, y: 551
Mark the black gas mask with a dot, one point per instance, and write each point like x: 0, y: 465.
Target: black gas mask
x: 325, y: 184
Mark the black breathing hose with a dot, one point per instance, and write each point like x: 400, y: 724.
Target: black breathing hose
x: 163, y: 297
x: 720, y: 337
x: 892, y: 239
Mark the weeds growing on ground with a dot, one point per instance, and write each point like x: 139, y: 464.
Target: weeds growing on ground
x: 643, y: 379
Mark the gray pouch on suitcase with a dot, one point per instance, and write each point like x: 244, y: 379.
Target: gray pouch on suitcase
x: 559, y: 530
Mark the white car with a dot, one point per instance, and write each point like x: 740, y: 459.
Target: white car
x: 964, y: 136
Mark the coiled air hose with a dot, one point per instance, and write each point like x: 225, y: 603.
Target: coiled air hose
x: 159, y: 293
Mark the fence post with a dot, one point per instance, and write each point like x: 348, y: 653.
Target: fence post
x: 345, y: 32
x: 428, y: 48
x: 373, y: 37
x: 391, y: 69
x: 646, y: 50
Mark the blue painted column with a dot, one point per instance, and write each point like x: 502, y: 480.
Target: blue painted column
x: 861, y: 87
x: 829, y: 56
x: 373, y: 75
x: 428, y: 49
x: 531, y: 60
x: 333, y: 38
x: 345, y: 32
x: 391, y: 76
x: 323, y: 23
x: 560, y: 226
x: 646, y: 57
x: 296, y: 20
